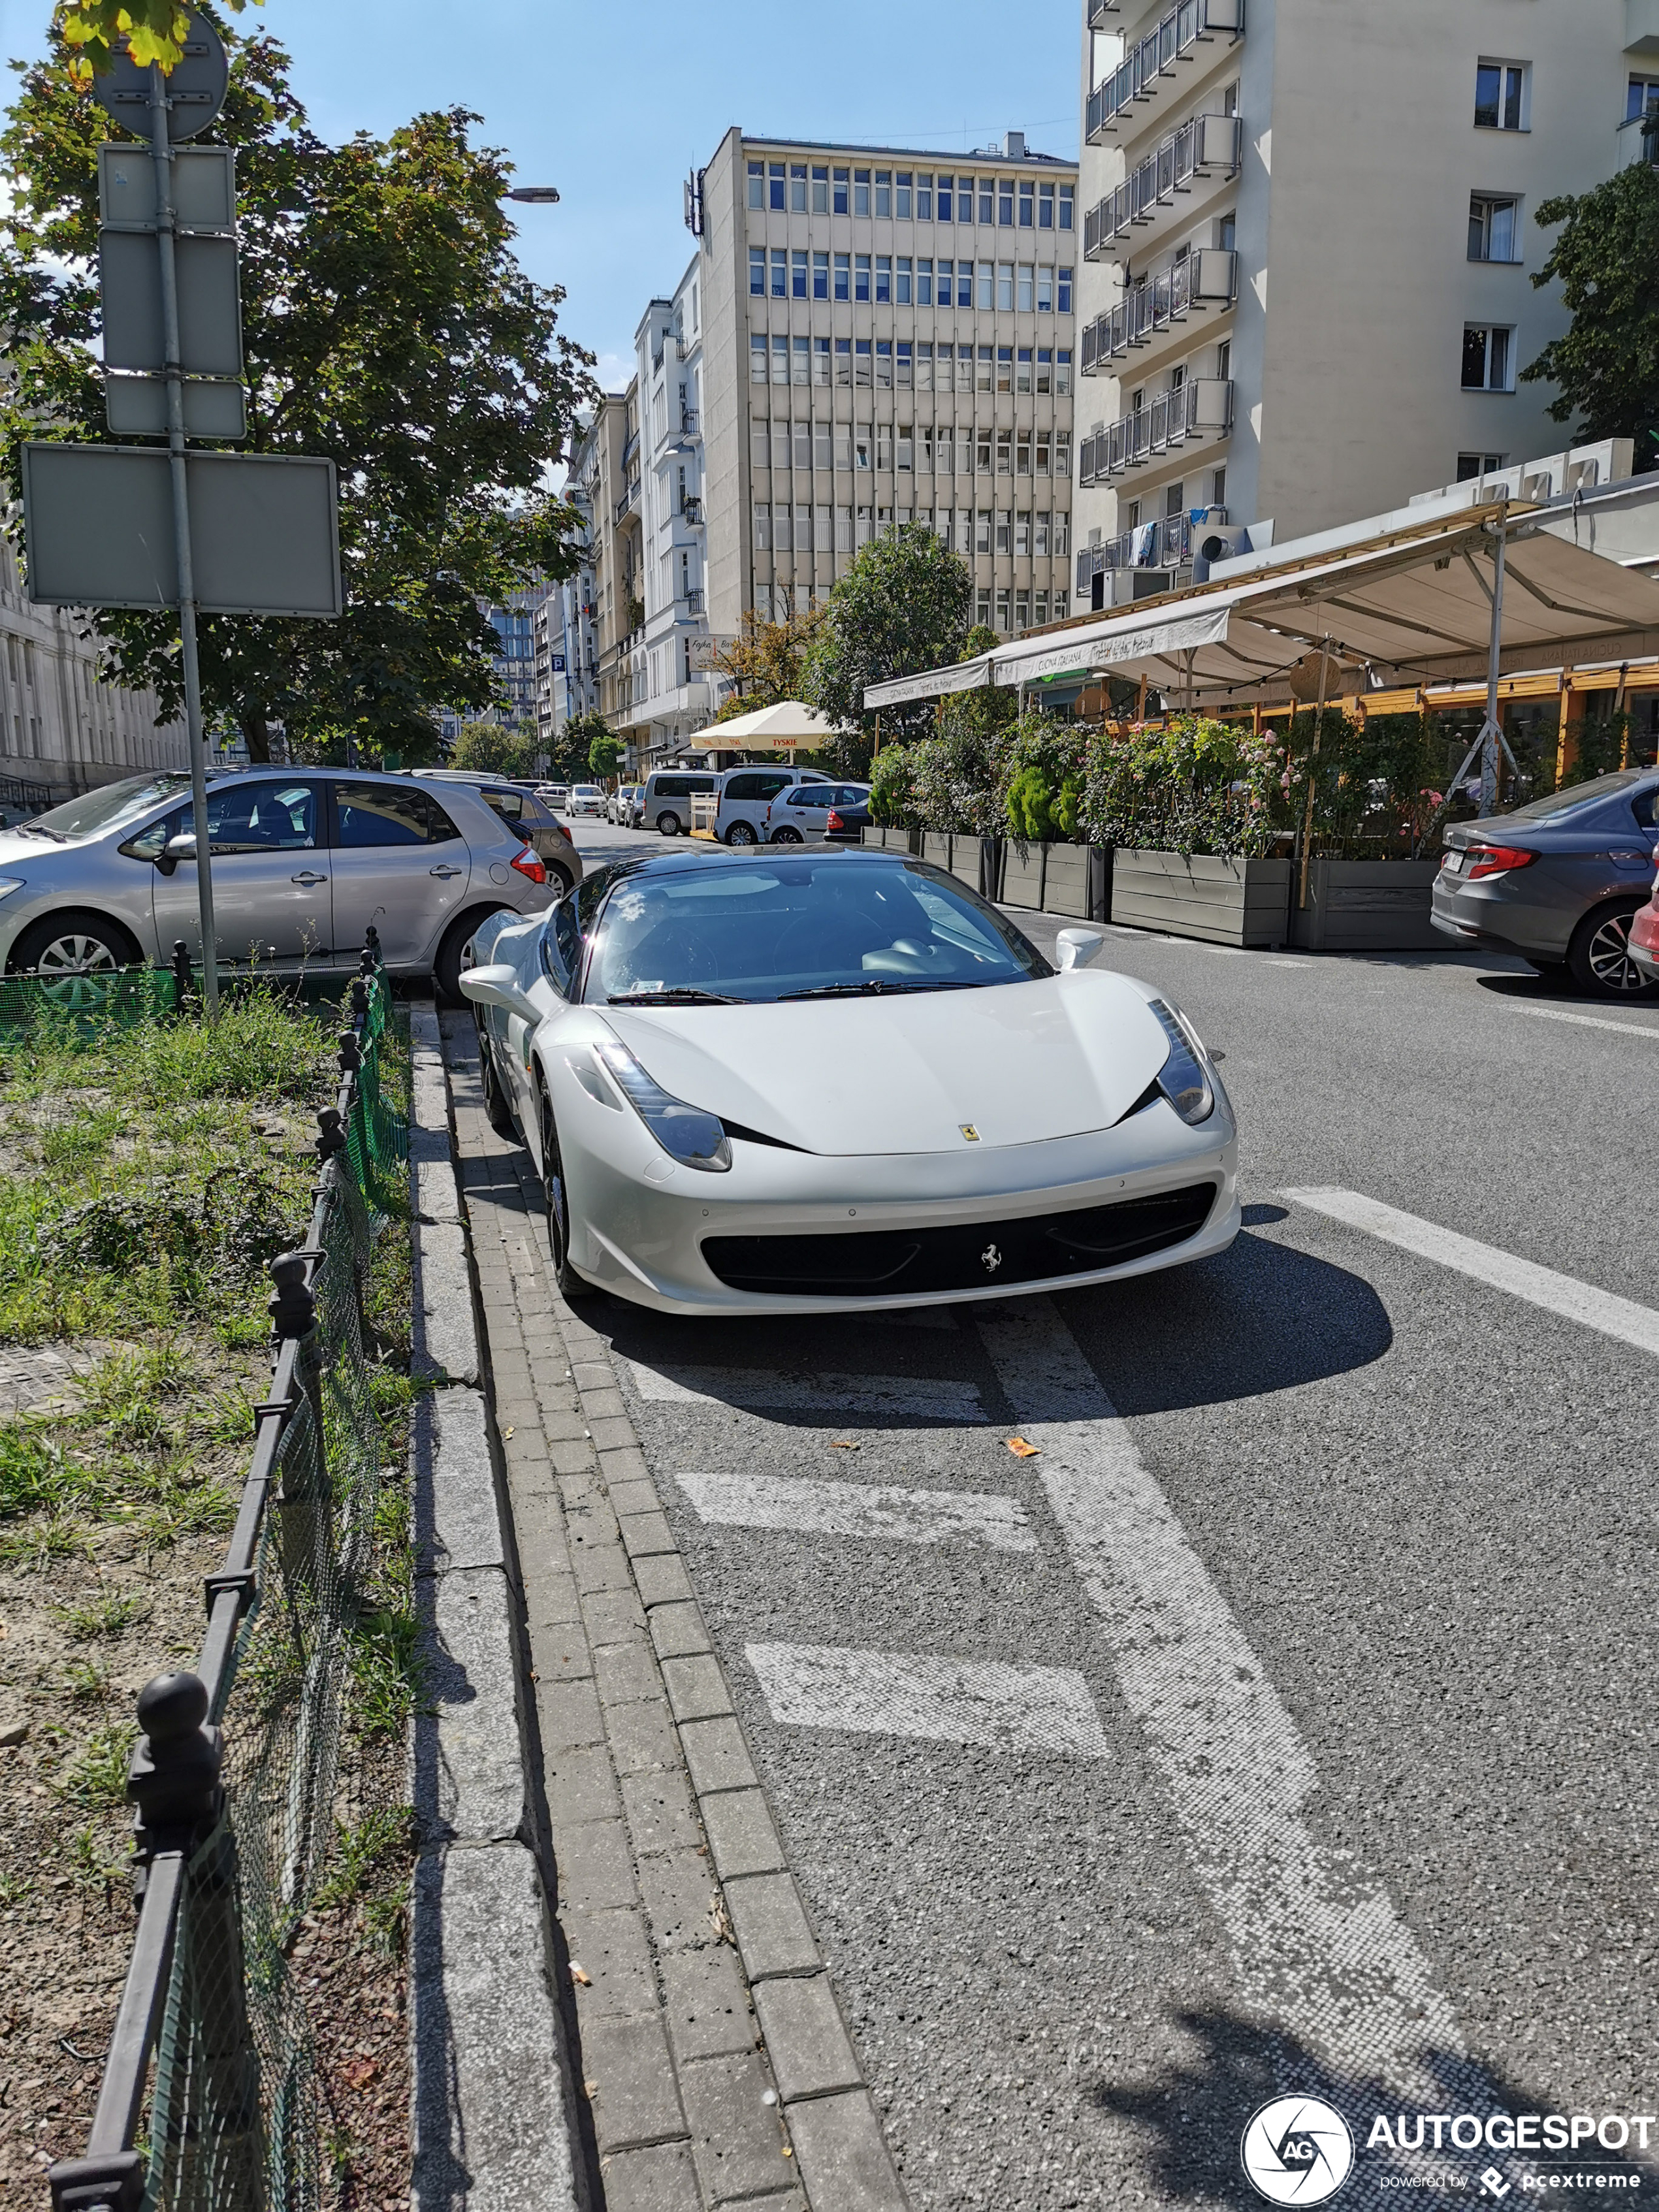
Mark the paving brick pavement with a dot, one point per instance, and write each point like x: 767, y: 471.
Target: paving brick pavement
x: 710, y: 2045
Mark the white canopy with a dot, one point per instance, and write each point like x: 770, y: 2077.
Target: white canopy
x: 1413, y: 607
x: 787, y: 727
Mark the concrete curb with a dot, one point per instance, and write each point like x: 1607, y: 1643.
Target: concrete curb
x: 493, y: 2100
x: 670, y: 1868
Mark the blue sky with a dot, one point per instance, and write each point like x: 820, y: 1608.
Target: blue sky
x: 615, y: 103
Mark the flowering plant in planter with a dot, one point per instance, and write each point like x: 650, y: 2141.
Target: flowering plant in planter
x: 1196, y: 786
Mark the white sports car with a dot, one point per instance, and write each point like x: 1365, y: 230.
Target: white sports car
x: 827, y: 1079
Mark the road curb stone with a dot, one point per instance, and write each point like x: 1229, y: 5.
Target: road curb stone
x: 591, y: 1535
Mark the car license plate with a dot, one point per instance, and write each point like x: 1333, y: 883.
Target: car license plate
x: 1453, y: 864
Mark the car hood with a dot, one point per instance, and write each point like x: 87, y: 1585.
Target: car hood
x: 1020, y: 1063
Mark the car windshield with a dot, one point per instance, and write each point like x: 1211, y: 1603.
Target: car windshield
x: 818, y: 926
x: 110, y: 806
x: 1559, y: 805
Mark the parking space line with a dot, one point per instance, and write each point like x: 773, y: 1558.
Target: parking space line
x: 1317, y: 1942
x: 972, y: 1701
x: 1620, y: 1318
x: 851, y: 1509
x: 1587, y: 1021
x: 900, y: 1397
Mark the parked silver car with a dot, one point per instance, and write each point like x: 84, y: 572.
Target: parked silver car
x: 304, y: 860
x: 522, y: 811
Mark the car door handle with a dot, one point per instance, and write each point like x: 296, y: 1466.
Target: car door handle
x: 444, y: 870
x: 308, y: 878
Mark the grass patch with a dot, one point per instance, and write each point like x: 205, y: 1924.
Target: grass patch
x: 101, y: 1616
x: 96, y: 1778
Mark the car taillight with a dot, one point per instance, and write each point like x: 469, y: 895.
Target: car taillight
x: 1494, y: 860
x: 833, y: 821
x: 768, y: 815
x: 529, y: 864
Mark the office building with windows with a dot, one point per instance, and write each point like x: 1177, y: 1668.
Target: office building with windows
x: 885, y: 337
x: 1307, y: 242
x: 603, y: 473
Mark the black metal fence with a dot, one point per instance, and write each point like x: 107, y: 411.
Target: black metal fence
x: 208, y: 2098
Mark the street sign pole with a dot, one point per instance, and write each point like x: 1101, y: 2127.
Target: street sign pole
x: 166, y: 224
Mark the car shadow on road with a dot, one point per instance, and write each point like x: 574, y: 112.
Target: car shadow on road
x: 1262, y: 1317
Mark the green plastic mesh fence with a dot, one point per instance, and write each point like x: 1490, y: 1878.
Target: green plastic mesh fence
x: 234, y: 2120
x: 83, y: 1003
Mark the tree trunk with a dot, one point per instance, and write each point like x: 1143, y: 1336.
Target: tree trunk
x: 256, y: 731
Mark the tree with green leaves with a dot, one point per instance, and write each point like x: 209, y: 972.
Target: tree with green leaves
x: 387, y: 326
x: 90, y: 30
x: 902, y: 607
x: 603, y: 755
x: 572, y: 748
x: 1606, y: 260
x: 493, y: 749
x: 765, y: 663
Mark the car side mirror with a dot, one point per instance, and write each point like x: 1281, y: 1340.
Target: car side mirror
x: 1077, y: 947
x: 181, y: 847
x: 500, y: 987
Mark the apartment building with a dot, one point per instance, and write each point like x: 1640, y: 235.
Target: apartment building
x: 1308, y: 237
x: 885, y: 336
x: 62, y: 731
x: 604, y: 470
x: 671, y: 693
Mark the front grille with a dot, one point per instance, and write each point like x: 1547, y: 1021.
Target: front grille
x: 871, y: 1263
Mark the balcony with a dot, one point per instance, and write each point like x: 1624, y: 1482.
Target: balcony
x: 692, y: 601
x: 1142, y: 75
x: 687, y: 422
x: 1205, y: 147
x: 631, y: 498
x: 1208, y: 278
x: 1200, y: 408
x: 1099, y: 10
x: 691, y: 510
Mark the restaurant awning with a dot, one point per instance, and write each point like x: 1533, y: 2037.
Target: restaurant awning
x: 1414, y: 607
x: 787, y: 726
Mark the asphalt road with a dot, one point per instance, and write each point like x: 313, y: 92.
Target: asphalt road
x: 1310, y: 1656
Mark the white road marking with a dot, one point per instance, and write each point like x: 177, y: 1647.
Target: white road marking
x: 1319, y: 1949
x: 899, y: 1397
x: 853, y: 1508
x: 1587, y: 1021
x: 1620, y: 1318
x: 940, y: 1700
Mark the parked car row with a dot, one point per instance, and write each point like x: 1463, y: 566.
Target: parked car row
x: 756, y: 806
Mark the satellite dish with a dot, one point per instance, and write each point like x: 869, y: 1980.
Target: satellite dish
x: 195, y: 91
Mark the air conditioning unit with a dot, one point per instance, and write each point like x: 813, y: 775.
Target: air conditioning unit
x: 1216, y: 540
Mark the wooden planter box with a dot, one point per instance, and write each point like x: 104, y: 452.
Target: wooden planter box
x: 1223, y: 902
x: 1073, y: 880
x: 1366, y: 906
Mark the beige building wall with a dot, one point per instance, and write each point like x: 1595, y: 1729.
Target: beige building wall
x: 1359, y: 154
x: 826, y: 420
x: 600, y: 463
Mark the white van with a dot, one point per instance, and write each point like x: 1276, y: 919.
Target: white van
x: 666, y: 806
x: 745, y: 794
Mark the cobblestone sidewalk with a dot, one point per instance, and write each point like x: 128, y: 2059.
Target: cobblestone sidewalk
x: 710, y: 2047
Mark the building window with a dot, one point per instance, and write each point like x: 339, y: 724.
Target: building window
x: 758, y: 184
x: 820, y: 275
x: 841, y: 180
x: 901, y: 189
x: 1064, y: 302
x: 884, y: 276
x: 798, y: 274
x: 884, y: 364
x: 924, y: 368
x: 781, y: 538
x: 884, y: 191
x: 776, y: 178
x: 860, y: 191
x: 1066, y: 207
x: 844, y: 360
x: 862, y: 277
x: 822, y: 455
x: 986, y: 359
x: 821, y: 361
x: 1486, y: 352
x: 906, y: 450
x: 924, y: 196
x: 1023, y: 533
x: 1045, y: 370
x: 988, y: 298
x: 843, y: 530
x: 798, y: 188
x: 1045, y: 291
x: 1006, y: 202
x: 1062, y: 468
x: 904, y: 365
x: 1218, y: 488
x: 1003, y: 618
x: 1044, y: 452
x: 1005, y: 368
x: 1641, y: 96
x: 1025, y: 298
x: 983, y: 609
x: 924, y: 284
x: 843, y: 275
x: 1062, y: 547
x: 779, y: 273
x: 1021, y: 610
x: 988, y: 199
x: 1494, y: 228
x: 1027, y: 204
x: 1500, y: 96
x: 1471, y: 465
x: 758, y: 358
x: 862, y: 347
x: 762, y: 518
x: 861, y: 450
x: 757, y: 272
x: 983, y: 531
x: 802, y: 353
x: 1023, y: 453
x: 1046, y: 208
x: 820, y: 192
x: 884, y: 446
x: 779, y: 360
x: 1040, y: 534
x: 903, y: 282
x: 944, y: 192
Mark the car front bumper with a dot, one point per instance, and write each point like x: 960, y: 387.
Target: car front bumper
x: 638, y: 1220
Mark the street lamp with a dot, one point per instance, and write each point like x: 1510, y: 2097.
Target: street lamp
x: 537, y: 195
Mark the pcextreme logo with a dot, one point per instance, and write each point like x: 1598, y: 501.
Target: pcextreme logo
x: 1296, y: 2150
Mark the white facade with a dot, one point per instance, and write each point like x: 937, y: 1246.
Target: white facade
x: 885, y: 336
x: 62, y: 731
x: 1309, y: 235
x: 673, y: 695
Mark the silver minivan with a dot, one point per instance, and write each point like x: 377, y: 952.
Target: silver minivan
x: 745, y: 794
x: 304, y: 860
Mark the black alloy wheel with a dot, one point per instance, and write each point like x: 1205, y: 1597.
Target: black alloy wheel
x: 787, y: 835
x: 569, y: 1283
x: 741, y: 833
x: 1598, y: 958
x: 497, y: 1112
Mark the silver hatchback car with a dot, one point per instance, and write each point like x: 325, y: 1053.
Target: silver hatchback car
x: 304, y: 860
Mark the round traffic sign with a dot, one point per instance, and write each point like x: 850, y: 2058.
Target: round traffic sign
x: 195, y: 90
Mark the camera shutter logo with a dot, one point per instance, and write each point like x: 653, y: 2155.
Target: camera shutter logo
x: 1296, y: 2150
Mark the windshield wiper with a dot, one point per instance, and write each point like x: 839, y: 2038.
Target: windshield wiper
x: 681, y: 995
x: 32, y: 829
x: 879, y: 987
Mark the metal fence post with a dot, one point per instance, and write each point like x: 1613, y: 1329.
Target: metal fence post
x: 304, y: 1504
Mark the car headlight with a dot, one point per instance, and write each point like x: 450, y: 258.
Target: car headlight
x: 686, y: 1134
x: 1182, y: 1078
